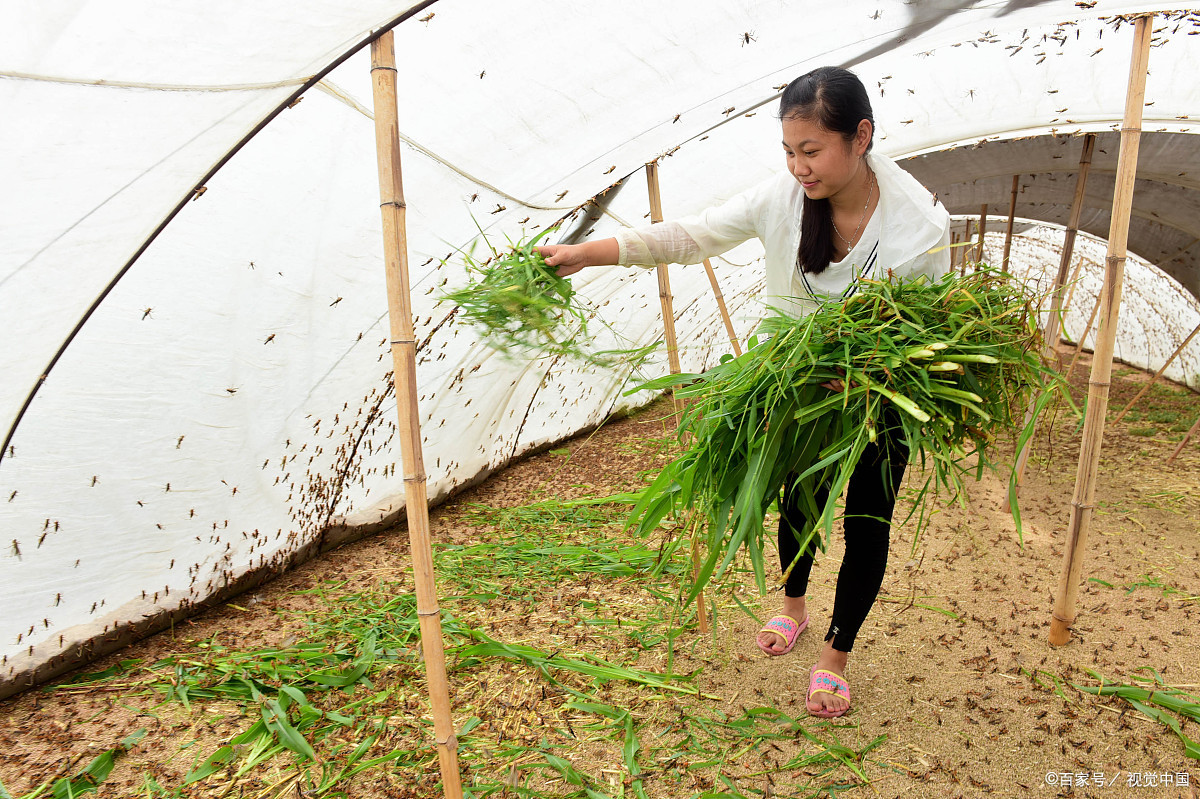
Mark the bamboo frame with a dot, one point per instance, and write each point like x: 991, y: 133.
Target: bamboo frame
x: 962, y: 265
x: 404, y: 366
x: 1054, y: 321
x: 1187, y: 437
x: 1086, y: 329
x: 1008, y: 230
x: 1083, y: 502
x: 1072, y: 282
x: 668, y: 313
x: 1157, y: 374
x: 664, y: 282
x: 982, y: 229
x: 953, y: 250
x: 716, y: 287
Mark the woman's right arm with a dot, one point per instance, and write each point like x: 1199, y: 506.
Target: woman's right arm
x: 684, y: 241
x: 570, y: 258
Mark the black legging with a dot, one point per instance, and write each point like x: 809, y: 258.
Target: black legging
x: 870, y: 498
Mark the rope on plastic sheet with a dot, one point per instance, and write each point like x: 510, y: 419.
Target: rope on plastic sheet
x: 159, y: 87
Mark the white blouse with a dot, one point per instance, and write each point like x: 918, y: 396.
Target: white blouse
x: 838, y: 279
x: 913, y: 234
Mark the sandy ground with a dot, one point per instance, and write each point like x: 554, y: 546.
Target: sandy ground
x: 953, y: 665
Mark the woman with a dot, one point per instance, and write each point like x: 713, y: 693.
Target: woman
x: 837, y: 214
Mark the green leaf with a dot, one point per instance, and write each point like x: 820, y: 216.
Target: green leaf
x: 275, y: 717
x: 564, y: 767
x: 211, y: 765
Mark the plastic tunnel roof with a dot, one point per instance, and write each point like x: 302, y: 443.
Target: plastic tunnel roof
x: 195, y: 386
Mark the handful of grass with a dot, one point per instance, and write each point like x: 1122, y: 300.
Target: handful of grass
x: 946, y: 363
x: 521, y: 306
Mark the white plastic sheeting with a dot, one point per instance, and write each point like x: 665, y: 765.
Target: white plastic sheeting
x: 1165, y: 224
x: 192, y: 405
x: 1156, y: 313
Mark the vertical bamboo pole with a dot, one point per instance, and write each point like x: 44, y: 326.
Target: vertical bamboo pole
x: 668, y: 312
x: 1187, y: 437
x: 1012, y: 214
x: 953, y: 250
x: 1072, y: 282
x: 1054, y: 321
x: 716, y: 287
x: 982, y: 228
x: 962, y: 266
x: 404, y: 370
x: 1157, y: 374
x: 1088, y: 327
x: 1083, y: 503
x: 664, y: 282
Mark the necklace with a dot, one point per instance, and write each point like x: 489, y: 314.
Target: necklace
x: 861, y: 219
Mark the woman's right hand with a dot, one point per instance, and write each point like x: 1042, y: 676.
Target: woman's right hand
x: 569, y: 258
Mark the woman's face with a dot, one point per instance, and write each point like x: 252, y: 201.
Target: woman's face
x: 821, y: 160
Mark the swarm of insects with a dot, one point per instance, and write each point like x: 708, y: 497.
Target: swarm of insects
x: 521, y: 307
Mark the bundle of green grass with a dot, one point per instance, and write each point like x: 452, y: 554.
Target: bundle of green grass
x: 521, y: 307
x: 952, y: 363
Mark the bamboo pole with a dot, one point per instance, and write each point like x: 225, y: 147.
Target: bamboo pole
x: 1012, y: 214
x: 953, y: 250
x: 962, y: 266
x: 716, y: 287
x: 1083, y: 503
x: 1087, y: 329
x: 1157, y: 374
x: 668, y: 312
x: 1187, y: 437
x: 982, y: 227
x: 1072, y: 282
x: 1054, y: 321
x: 664, y: 282
x: 404, y: 370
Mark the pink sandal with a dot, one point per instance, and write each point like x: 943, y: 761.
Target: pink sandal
x: 822, y: 681
x: 785, y: 627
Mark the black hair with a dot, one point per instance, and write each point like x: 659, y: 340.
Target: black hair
x: 835, y: 99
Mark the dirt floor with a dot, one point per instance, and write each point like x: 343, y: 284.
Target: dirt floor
x: 952, y: 668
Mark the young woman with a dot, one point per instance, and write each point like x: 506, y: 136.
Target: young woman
x: 837, y: 214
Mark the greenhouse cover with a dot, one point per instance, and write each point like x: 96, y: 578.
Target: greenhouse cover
x: 196, y: 391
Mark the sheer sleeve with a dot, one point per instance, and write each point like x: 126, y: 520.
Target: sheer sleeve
x: 690, y: 240
x: 666, y: 243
